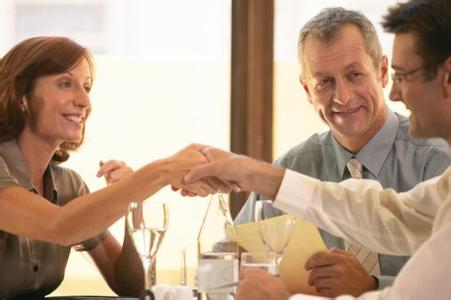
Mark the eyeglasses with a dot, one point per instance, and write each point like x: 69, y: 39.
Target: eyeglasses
x: 399, y: 77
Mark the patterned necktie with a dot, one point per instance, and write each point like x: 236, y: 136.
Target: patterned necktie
x: 367, y: 258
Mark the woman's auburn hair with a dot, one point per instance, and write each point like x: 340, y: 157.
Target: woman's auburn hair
x: 21, y: 67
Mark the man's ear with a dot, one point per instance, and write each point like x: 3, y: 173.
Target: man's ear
x: 447, y: 77
x: 383, y: 71
x: 306, y: 88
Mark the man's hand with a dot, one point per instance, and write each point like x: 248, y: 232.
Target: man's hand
x: 200, y: 188
x: 241, y: 173
x: 226, y: 166
x: 220, y: 184
x: 337, y: 272
x: 113, y: 170
x: 180, y: 163
x: 205, y: 187
x: 257, y: 284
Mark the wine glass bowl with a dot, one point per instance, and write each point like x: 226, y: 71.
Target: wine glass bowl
x: 147, y: 223
x: 275, y: 233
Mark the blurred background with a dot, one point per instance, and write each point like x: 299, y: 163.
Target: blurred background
x: 162, y: 81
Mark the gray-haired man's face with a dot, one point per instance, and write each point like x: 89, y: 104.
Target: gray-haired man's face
x: 344, y: 86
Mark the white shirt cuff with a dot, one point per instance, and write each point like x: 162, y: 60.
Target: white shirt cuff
x: 295, y: 193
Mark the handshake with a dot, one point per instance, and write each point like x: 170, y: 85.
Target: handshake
x: 200, y: 170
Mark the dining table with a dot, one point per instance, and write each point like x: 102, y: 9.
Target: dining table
x: 90, y: 298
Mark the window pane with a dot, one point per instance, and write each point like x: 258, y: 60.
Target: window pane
x: 162, y: 81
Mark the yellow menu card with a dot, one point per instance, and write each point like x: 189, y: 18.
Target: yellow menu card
x: 304, y: 242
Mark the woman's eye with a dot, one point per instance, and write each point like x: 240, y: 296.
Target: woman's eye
x: 87, y: 89
x: 65, y: 84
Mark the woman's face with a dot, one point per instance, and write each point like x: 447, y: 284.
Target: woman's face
x: 60, y: 105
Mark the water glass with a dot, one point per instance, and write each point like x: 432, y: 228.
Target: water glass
x: 260, y: 260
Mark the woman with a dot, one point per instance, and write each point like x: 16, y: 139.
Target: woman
x: 44, y: 208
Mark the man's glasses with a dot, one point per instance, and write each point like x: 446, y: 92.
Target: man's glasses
x: 399, y: 77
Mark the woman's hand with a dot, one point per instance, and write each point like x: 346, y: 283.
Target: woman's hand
x: 219, y: 185
x: 113, y: 170
x: 195, y: 156
x: 179, y: 164
x: 239, y: 172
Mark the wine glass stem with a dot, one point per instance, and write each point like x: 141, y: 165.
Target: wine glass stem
x: 147, y: 263
x: 277, y: 258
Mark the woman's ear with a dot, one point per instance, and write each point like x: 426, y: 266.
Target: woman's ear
x: 24, y: 104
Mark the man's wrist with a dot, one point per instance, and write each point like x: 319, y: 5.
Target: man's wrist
x: 266, y: 179
x: 375, y: 283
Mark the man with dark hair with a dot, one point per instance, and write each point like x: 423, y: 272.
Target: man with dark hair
x: 344, y: 72
x: 362, y: 211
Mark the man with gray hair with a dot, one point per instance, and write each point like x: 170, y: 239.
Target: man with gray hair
x: 343, y: 74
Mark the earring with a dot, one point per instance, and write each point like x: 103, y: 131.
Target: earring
x: 23, y: 105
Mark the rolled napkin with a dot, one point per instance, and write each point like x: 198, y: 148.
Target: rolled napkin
x: 172, y: 292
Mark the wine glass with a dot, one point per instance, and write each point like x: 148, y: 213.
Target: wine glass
x: 274, y: 232
x: 147, y: 223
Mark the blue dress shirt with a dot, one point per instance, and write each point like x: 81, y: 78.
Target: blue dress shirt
x: 390, y: 157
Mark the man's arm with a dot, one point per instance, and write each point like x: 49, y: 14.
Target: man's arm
x: 358, y: 210
x: 240, y: 172
x: 246, y: 214
x: 364, y: 213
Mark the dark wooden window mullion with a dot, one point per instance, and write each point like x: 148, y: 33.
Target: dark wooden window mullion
x: 252, y: 82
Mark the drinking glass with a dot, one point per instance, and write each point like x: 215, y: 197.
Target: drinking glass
x: 260, y: 260
x: 275, y: 233
x: 147, y: 223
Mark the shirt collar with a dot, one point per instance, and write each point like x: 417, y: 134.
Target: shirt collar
x: 13, y: 158
x: 374, y: 153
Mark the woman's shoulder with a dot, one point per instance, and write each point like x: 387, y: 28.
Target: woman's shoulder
x: 6, y: 178
x: 67, y: 180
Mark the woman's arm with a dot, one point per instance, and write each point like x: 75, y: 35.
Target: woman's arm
x: 120, y: 266
x: 27, y: 214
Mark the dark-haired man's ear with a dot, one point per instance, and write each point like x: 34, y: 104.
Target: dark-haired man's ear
x: 447, y: 84
x: 447, y: 77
